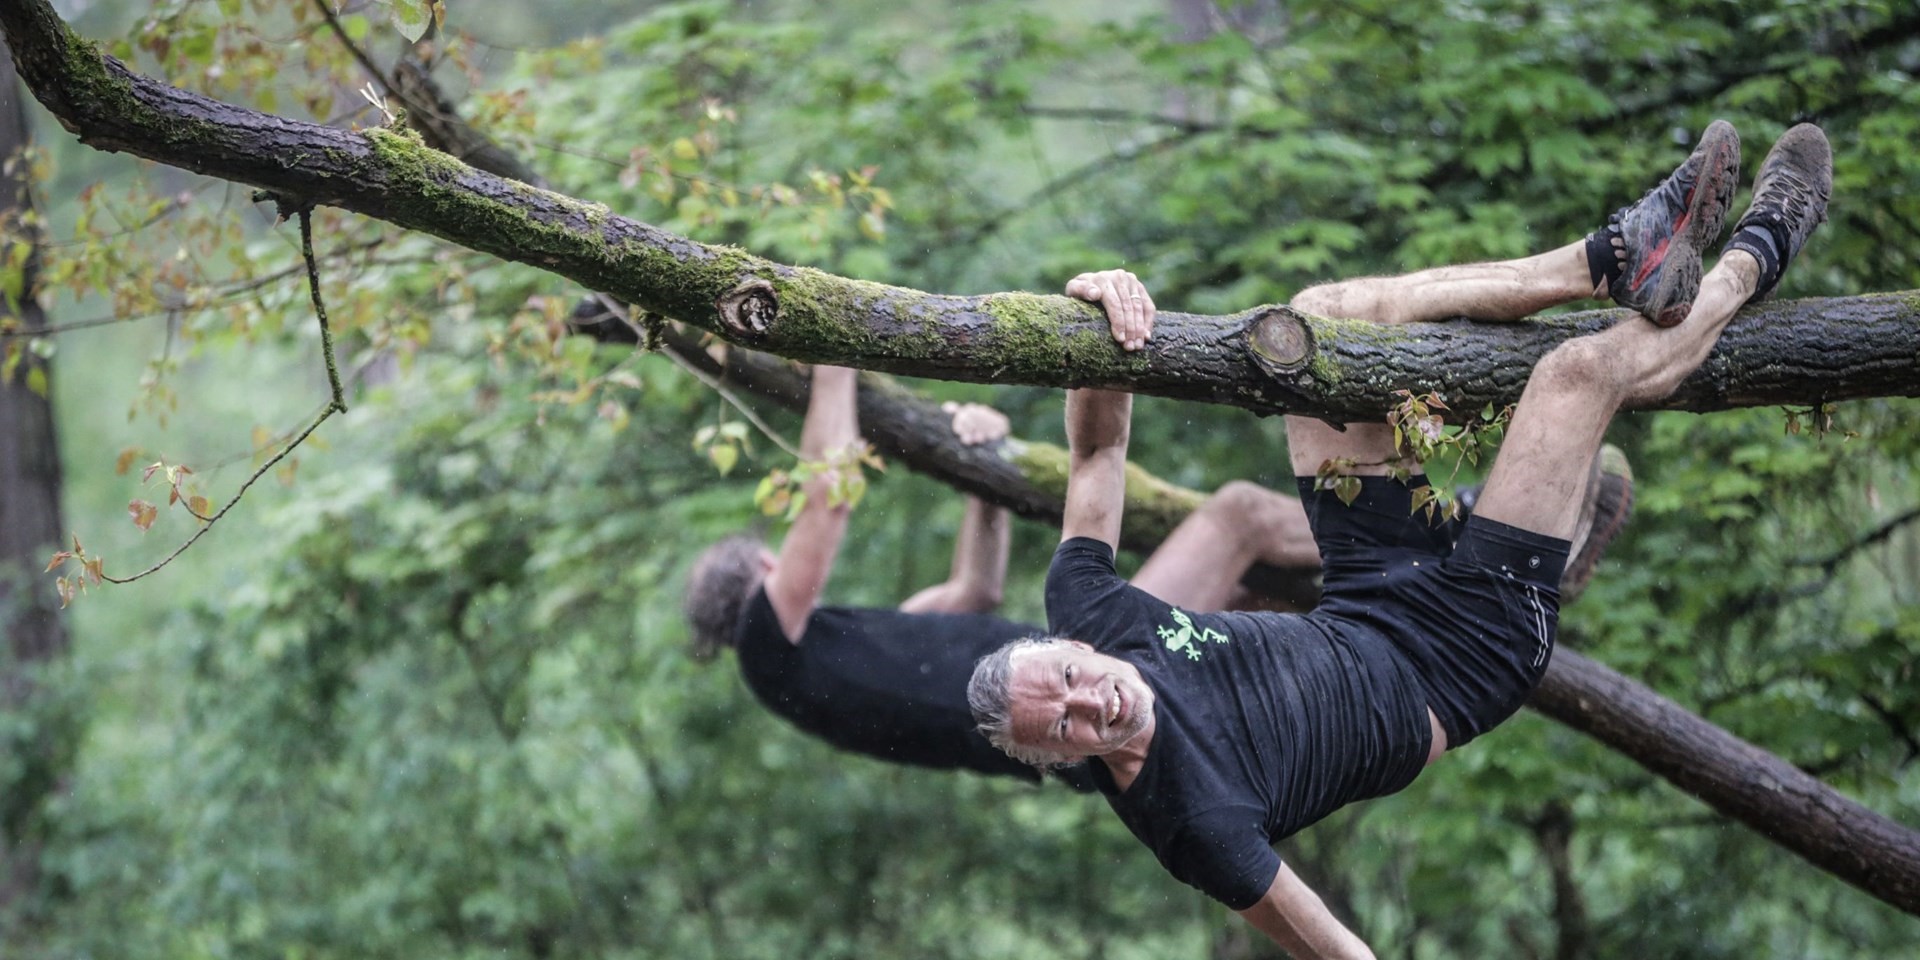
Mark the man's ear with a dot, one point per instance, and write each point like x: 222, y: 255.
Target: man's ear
x: 768, y: 560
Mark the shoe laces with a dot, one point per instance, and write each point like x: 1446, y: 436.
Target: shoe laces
x: 1790, y: 203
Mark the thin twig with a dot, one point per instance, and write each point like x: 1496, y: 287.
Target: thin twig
x: 714, y: 384
x: 174, y: 205
x: 1114, y: 115
x: 727, y: 395
x: 223, y: 297
x: 325, y: 412
x: 337, y: 404
x: 614, y: 310
x: 993, y: 224
x: 320, y: 308
x: 1832, y: 562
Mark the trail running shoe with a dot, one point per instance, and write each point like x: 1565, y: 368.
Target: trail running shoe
x: 1789, y: 199
x: 1648, y: 254
x: 1611, y: 499
x: 1610, y: 503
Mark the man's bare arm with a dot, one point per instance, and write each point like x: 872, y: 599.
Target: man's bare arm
x: 1298, y: 920
x: 806, y: 556
x: 979, y: 574
x: 1098, y: 420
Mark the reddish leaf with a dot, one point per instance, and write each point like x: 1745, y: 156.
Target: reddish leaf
x: 142, y: 513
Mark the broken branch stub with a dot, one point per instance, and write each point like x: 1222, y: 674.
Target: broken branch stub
x: 749, y: 309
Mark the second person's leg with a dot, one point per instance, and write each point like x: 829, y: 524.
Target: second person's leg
x: 1199, y: 565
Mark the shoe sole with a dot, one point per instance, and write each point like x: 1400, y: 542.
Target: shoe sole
x: 1679, y: 261
x: 1614, y: 500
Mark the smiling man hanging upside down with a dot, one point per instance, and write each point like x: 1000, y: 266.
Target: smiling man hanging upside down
x: 1215, y: 735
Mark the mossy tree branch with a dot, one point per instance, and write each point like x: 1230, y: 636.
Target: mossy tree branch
x: 1268, y: 359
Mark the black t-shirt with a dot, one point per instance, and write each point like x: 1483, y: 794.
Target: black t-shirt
x: 1263, y: 722
x: 881, y: 682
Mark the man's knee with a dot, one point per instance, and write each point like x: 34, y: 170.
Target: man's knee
x: 1581, y: 364
x: 1249, y: 510
x: 1351, y: 299
x: 1326, y: 300
x: 1236, y: 500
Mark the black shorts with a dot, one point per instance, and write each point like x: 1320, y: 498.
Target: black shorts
x: 1472, y: 605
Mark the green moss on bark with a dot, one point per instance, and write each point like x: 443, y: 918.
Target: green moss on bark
x: 1153, y: 506
x: 425, y: 176
x: 1028, y: 339
x: 823, y: 310
x: 92, y: 86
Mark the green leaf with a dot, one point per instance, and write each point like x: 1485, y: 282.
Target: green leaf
x: 411, y: 17
x: 724, y: 456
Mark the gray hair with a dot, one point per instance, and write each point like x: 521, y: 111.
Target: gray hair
x: 990, y: 697
x: 718, y: 586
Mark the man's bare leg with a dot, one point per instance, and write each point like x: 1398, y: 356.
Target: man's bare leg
x: 1506, y: 290
x: 1539, y: 482
x: 1500, y: 290
x: 1199, y: 565
x: 1576, y: 389
x: 1646, y: 257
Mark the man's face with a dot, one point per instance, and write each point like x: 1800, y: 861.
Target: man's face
x: 1070, y: 700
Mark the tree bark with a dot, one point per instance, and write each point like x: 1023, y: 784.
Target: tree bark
x: 1269, y: 359
x: 1736, y: 778
x: 30, y: 624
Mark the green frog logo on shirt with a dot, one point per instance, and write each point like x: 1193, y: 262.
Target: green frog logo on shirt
x: 1186, y: 636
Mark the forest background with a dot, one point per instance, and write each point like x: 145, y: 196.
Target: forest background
x: 427, y: 694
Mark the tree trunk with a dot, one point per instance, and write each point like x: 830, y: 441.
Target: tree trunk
x: 29, y: 531
x: 1268, y: 360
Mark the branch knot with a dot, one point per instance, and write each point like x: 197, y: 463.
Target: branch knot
x: 749, y: 309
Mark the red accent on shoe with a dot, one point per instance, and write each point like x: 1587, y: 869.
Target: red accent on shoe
x: 1654, y: 260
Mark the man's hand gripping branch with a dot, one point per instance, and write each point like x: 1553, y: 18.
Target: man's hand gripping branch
x: 1097, y: 420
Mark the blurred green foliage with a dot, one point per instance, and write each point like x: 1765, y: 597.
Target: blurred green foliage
x: 432, y: 701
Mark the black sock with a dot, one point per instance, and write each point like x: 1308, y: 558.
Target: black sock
x: 1603, y: 260
x: 1762, y: 240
